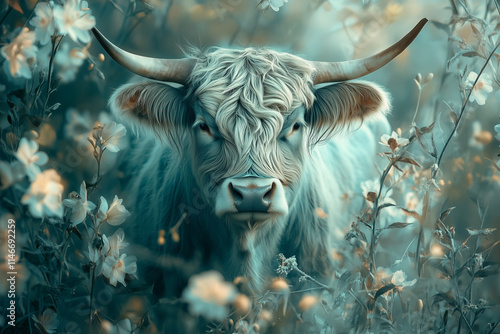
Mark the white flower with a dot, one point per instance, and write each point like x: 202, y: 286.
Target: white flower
x: 112, y: 133
x: 115, y: 215
x: 109, y: 135
x: 115, y: 269
x: 497, y: 130
x: 70, y: 59
x: 381, y: 277
x: 274, y: 4
x: 47, y: 322
x: 116, y: 243
x: 43, y: 22
x: 28, y: 154
x: 399, y: 279
x: 93, y: 254
x: 123, y: 326
x: 75, y: 20
x: 79, y: 204
x: 18, y: 52
x: 370, y: 190
x: 11, y: 173
x: 44, y: 195
x: 208, y: 295
x: 481, y: 89
x: 393, y: 141
x: 105, y: 247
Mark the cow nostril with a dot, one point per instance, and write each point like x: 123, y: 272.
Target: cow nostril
x: 269, y: 194
x: 237, y: 196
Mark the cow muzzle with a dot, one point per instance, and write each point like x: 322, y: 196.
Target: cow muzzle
x: 251, y: 199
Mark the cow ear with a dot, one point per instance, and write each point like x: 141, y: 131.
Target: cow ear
x: 340, y: 105
x: 152, y: 108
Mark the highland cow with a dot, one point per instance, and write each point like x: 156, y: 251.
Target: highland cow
x: 246, y: 153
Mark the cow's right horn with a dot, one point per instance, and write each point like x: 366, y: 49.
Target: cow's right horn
x: 352, y: 69
x: 171, y: 70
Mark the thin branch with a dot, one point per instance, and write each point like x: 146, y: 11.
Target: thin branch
x: 462, y: 111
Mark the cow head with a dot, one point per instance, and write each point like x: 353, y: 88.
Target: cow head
x: 248, y: 117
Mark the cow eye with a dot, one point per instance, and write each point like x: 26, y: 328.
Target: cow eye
x: 296, y: 127
x: 204, y: 127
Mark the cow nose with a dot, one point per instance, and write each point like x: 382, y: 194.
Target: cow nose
x: 252, y: 198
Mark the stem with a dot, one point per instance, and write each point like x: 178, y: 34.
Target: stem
x: 56, y: 42
x: 462, y: 110
x: 375, y: 213
x: 418, y: 104
x: 314, y: 280
x: 91, y: 298
x: 98, y: 176
x: 65, y: 249
x: 454, y: 279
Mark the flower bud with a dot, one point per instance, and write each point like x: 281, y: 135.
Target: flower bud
x: 428, y: 78
x: 307, y: 302
x: 242, y: 304
x: 420, y: 305
x: 280, y: 284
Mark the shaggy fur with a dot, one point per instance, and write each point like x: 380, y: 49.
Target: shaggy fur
x: 250, y: 99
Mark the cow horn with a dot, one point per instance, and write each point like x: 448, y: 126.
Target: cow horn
x: 352, y: 69
x: 171, y: 70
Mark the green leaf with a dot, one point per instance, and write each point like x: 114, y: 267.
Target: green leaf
x: 383, y: 206
x: 445, y: 213
x: 448, y: 297
x: 398, y: 225
x: 471, y: 54
x: 409, y: 161
x: 487, y: 271
x: 384, y: 289
x: 484, y: 231
x: 427, y: 129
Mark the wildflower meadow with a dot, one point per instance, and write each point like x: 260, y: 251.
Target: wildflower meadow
x: 421, y: 255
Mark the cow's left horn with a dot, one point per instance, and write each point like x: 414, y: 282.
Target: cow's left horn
x: 352, y: 69
x: 171, y: 70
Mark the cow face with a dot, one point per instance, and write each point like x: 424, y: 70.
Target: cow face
x: 248, y: 118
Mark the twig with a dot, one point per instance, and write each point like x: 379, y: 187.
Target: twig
x: 56, y: 42
x: 91, y: 298
x: 98, y: 176
x: 462, y: 111
x: 326, y: 287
